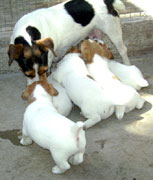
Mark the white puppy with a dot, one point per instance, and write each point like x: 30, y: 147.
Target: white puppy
x: 62, y: 101
x: 94, y: 102
x: 98, y: 68
x: 45, y: 126
x: 129, y: 75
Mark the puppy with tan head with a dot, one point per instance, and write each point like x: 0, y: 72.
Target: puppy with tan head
x: 45, y: 126
x: 94, y: 102
x: 96, y: 57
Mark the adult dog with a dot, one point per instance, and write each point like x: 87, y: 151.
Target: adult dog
x: 58, y: 28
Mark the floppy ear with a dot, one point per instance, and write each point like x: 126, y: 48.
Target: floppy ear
x: 28, y: 91
x: 14, y: 52
x: 52, y: 91
x: 107, y: 52
x: 46, y: 43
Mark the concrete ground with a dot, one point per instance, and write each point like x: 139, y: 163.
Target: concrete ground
x: 116, y: 150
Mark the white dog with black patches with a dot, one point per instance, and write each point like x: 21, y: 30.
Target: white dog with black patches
x: 58, y: 28
x: 45, y: 126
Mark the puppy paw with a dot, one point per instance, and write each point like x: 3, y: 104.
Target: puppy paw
x: 57, y: 170
x: 26, y: 141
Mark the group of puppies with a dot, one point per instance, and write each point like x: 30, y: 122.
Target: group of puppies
x: 85, y: 76
x: 88, y: 78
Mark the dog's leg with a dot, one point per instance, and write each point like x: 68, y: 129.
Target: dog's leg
x: 76, y: 159
x: 61, y: 163
x: 92, y: 121
x: 113, y: 30
x: 26, y: 140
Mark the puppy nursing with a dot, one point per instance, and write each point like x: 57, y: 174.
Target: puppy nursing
x: 98, y: 67
x: 95, y: 103
x: 44, y: 125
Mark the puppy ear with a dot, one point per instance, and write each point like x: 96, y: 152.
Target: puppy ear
x: 14, y: 52
x: 52, y: 91
x: 86, y: 51
x: 28, y: 91
x: 107, y: 52
x: 46, y: 43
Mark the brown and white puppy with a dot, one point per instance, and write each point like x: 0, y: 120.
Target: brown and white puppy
x: 50, y: 130
x: 90, y: 47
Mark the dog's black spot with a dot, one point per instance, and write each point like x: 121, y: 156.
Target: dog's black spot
x: 34, y: 33
x: 21, y: 40
x: 81, y: 11
x: 110, y: 8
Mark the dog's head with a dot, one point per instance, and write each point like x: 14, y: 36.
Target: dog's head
x: 28, y: 93
x: 26, y: 55
x: 89, y: 48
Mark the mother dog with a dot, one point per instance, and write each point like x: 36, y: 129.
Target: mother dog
x: 58, y: 28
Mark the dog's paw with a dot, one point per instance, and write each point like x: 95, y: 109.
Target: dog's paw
x: 57, y: 170
x: 26, y: 141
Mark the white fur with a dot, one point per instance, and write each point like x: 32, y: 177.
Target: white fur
x: 62, y: 101
x: 56, y: 23
x: 94, y: 102
x: 45, y: 126
x: 128, y: 97
x: 129, y: 75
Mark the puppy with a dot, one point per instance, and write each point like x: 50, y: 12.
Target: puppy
x: 45, y: 126
x: 38, y: 37
x: 129, y: 75
x: 98, y: 68
x: 95, y: 103
x: 61, y: 102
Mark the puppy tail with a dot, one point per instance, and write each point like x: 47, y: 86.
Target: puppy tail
x: 79, y: 133
x: 118, y: 4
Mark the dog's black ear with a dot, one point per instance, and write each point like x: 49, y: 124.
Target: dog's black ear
x: 46, y: 43
x: 14, y: 52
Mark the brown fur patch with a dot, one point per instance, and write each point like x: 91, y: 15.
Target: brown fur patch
x: 46, y: 44
x: 28, y: 93
x: 90, y: 77
x: 36, y: 51
x: 89, y: 49
x: 73, y: 49
x: 27, y: 52
x: 30, y: 74
x: 115, y: 77
x: 14, y: 52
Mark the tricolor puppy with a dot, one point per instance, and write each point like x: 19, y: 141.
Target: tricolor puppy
x: 95, y: 103
x: 64, y: 25
x: 45, y: 126
x: 97, y: 63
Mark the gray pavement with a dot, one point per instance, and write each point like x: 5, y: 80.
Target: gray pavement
x: 116, y: 150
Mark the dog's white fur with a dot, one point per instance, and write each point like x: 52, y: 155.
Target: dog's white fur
x: 94, y: 102
x: 62, y: 102
x: 129, y: 75
x: 128, y: 96
x: 56, y: 23
x: 45, y: 126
